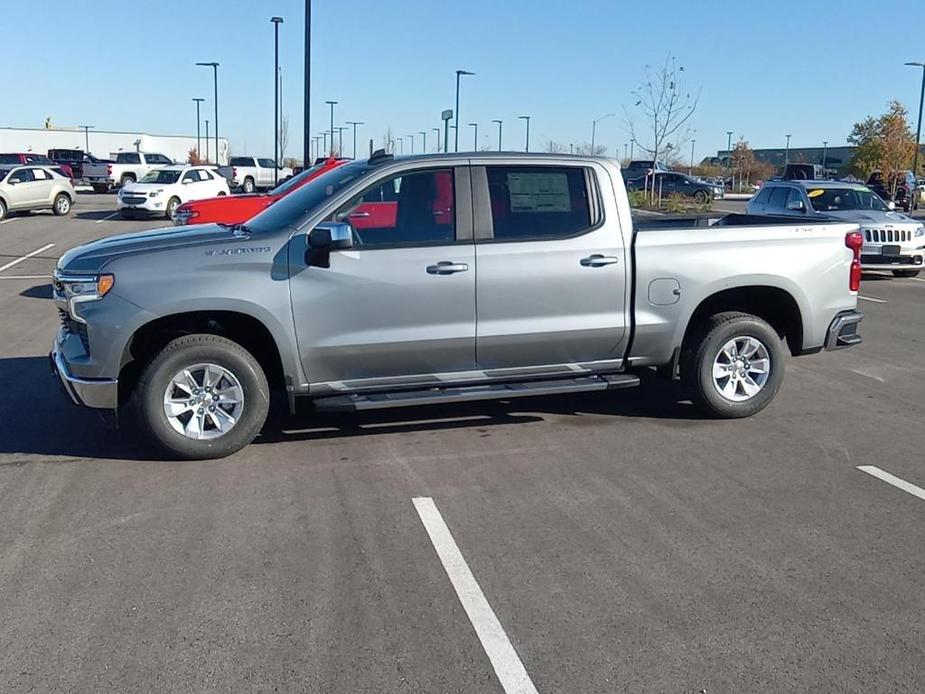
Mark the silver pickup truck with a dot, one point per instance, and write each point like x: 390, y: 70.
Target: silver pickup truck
x: 442, y: 278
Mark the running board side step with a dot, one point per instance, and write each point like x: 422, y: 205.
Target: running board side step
x: 495, y: 391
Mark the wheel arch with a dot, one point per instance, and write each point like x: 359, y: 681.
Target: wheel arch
x: 241, y: 327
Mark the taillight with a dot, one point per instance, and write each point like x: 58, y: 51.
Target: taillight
x: 855, y: 241
x: 108, y: 169
x: 234, y: 172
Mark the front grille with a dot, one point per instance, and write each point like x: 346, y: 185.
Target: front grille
x: 133, y: 201
x: 79, y: 329
x: 887, y: 235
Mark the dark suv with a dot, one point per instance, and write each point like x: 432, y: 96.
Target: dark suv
x: 18, y: 158
x: 907, y: 194
x: 73, y: 158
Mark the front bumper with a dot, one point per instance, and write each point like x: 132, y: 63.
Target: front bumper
x: 843, y: 330
x: 902, y: 261
x: 98, y: 393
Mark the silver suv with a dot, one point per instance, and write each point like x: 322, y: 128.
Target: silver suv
x: 892, y: 240
x: 26, y: 188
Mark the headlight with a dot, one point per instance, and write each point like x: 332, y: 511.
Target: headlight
x: 154, y: 194
x: 78, y: 290
x: 920, y: 231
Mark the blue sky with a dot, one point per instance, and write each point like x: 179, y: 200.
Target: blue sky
x: 764, y: 69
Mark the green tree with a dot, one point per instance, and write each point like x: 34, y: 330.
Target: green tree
x: 884, y: 143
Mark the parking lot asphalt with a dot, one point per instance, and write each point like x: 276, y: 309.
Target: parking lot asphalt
x: 621, y: 542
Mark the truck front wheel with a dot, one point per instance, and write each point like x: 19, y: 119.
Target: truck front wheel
x: 202, y: 396
x: 248, y: 186
x: 733, y: 365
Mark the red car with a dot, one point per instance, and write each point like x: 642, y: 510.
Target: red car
x: 33, y: 158
x: 237, y: 209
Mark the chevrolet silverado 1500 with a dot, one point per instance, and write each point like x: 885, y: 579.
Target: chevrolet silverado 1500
x: 491, y: 276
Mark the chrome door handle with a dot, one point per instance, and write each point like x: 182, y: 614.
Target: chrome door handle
x: 598, y: 260
x: 445, y: 267
x: 358, y: 214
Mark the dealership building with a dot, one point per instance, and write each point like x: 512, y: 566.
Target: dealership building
x: 105, y: 144
x: 835, y: 157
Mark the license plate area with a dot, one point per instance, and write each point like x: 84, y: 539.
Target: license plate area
x: 890, y: 250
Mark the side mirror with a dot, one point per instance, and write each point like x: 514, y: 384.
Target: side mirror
x: 185, y: 181
x: 14, y: 181
x: 891, y: 205
x: 327, y: 237
x: 796, y: 206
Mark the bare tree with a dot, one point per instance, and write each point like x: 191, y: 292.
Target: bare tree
x: 388, y: 140
x: 283, y: 136
x: 553, y: 147
x: 666, y: 107
x: 587, y: 150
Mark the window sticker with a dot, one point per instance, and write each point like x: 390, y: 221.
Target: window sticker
x: 539, y: 192
x: 816, y: 193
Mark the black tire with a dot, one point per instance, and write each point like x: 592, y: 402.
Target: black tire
x: 2, y: 210
x: 703, y: 348
x: 221, y: 193
x: 126, y: 180
x: 906, y: 273
x: 184, y: 352
x: 171, y: 208
x: 248, y: 185
x: 701, y: 197
x: 62, y: 204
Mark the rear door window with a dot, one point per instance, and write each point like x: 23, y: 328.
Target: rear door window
x: 778, y: 200
x: 266, y: 163
x: 538, y: 202
x: 763, y: 196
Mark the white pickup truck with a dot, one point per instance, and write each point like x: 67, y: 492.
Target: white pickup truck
x: 127, y: 167
x: 251, y: 173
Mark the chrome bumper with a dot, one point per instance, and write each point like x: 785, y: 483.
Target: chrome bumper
x: 843, y: 332
x: 98, y: 393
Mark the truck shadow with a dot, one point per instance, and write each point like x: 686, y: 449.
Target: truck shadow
x: 36, y: 418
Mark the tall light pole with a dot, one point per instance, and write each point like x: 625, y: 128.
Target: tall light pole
x: 354, y: 123
x: 276, y: 22
x: 332, y: 104
x: 918, y: 129
x: 825, y: 147
x: 690, y: 169
x: 306, y: 106
x: 423, y: 134
x: 401, y: 145
x: 324, y: 139
x: 340, y: 138
x: 214, y: 67
x: 207, y: 140
x: 437, y: 130
x: 625, y: 150
x: 411, y: 137
x: 632, y: 147
x: 313, y: 152
x: 475, y: 137
x: 459, y: 73
x: 787, y: 152
x: 500, y: 123
x: 87, y: 129
x: 594, y: 128
x: 527, y: 119
x: 198, y: 141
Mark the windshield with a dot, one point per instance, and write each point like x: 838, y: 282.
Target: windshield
x: 161, y: 177
x: 840, y: 199
x: 296, y: 181
x: 289, y: 211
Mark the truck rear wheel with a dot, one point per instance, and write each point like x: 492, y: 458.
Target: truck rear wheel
x: 733, y: 365
x: 203, y: 396
x: 248, y: 186
x: 126, y: 180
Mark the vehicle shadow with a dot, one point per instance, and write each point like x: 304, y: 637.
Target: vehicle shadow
x: 39, y: 291
x: 97, y: 214
x: 38, y: 419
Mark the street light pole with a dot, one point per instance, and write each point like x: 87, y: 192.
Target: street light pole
x: 459, y: 73
x: 331, y: 104
x: 527, y: 118
x: 214, y: 67
x: 918, y: 129
x: 500, y: 123
x: 340, y: 139
x: 475, y: 137
x: 207, y: 140
x: 306, y: 106
x: 423, y: 134
x: 787, y: 152
x: 690, y: 169
x: 632, y: 147
x: 411, y: 137
x: 276, y: 22
x: 594, y: 129
x: 198, y: 141
x: 324, y: 137
x: 825, y: 147
x: 355, y: 123
x: 437, y: 130
x: 401, y: 145
x: 88, y: 127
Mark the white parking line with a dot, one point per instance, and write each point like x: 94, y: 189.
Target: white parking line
x: 894, y: 480
x: 504, y: 659
x: 26, y: 257
x: 870, y: 298
x: 7, y: 221
x: 25, y: 277
x: 915, y: 279
x: 98, y: 221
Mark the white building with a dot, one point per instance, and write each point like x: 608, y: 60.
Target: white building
x: 104, y: 144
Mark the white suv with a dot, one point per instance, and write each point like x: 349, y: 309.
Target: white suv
x: 163, y: 190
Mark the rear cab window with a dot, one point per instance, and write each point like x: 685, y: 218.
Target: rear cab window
x: 539, y: 202
x: 128, y: 158
x: 242, y: 161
